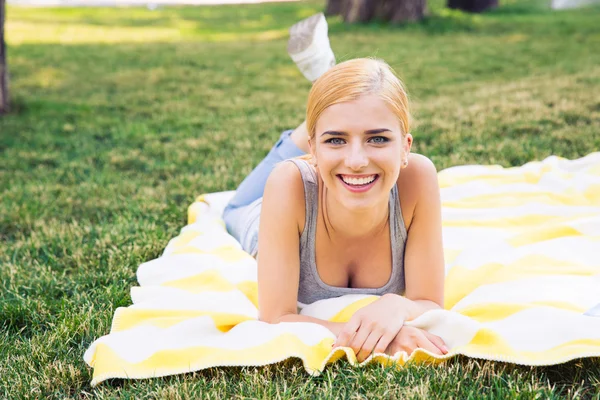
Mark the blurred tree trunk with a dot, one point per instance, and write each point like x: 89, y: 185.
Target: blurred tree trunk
x: 383, y: 10
x: 334, y: 7
x: 3, y: 69
x: 474, y: 6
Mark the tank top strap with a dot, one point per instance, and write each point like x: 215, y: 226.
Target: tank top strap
x: 309, y: 177
x: 396, y: 219
x: 311, y: 193
x: 306, y: 170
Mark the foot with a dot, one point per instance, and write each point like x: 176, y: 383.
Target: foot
x: 309, y: 47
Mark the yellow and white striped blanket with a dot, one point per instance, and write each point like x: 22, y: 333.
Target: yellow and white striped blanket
x: 522, y: 248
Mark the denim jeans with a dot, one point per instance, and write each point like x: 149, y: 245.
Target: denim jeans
x: 242, y: 214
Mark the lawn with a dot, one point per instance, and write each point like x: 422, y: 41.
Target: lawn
x: 121, y: 117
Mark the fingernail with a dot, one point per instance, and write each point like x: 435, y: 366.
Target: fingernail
x: 445, y: 349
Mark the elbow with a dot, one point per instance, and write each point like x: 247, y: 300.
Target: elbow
x: 272, y: 318
x: 268, y: 319
x: 433, y: 305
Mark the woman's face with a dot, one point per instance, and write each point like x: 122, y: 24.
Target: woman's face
x: 359, y: 149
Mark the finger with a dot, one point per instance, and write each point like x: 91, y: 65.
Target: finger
x: 424, y: 343
x: 359, y: 339
x: 438, y: 341
x: 347, y: 333
x: 401, y: 344
x: 368, y: 345
x: 393, y: 348
x: 384, y: 342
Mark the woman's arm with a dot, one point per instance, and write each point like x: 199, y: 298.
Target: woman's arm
x: 278, y: 248
x: 424, y: 253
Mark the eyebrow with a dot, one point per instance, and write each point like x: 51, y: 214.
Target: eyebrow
x: 369, y: 132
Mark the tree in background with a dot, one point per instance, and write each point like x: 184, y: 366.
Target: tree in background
x: 384, y: 10
x: 475, y: 6
x: 3, y: 69
x: 396, y: 10
x: 334, y: 7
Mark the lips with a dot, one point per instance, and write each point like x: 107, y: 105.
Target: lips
x: 355, y: 180
x: 358, y: 183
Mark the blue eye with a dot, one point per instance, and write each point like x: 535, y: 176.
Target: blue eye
x: 379, y: 139
x: 334, y: 141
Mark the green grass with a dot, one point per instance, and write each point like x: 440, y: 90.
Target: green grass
x: 122, y: 116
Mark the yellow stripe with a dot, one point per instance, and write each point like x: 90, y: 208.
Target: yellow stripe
x: 347, y: 312
x: 213, y: 281
x: 461, y: 281
x: 498, y: 176
x: 488, y: 312
x: 490, y: 345
x: 563, y: 305
x: 494, y: 179
x: 592, y: 194
x: 451, y: 254
x: 227, y: 253
x: 250, y: 290
x: 108, y: 364
x: 518, y: 222
x: 210, y: 280
x: 489, y: 342
x: 543, y: 234
x: 127, y: 318
x: 184, y: 239
x: 569, y: 197
x: 194, y: 209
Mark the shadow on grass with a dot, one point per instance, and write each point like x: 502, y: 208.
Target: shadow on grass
x: 256, y: 22
x: 238, y: 19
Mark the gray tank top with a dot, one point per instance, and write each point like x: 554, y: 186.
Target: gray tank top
x: 311, y: 287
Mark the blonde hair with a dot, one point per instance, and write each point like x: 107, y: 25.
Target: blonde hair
x: 352, y: 79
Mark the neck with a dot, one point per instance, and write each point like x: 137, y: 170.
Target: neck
x: 342, y: 223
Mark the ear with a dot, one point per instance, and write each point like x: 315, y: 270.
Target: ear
x: 311, y: 146
x: 408, y: 140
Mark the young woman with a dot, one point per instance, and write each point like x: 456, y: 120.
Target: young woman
x: 341, y: 206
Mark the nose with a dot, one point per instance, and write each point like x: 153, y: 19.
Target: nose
x: 356, y: 158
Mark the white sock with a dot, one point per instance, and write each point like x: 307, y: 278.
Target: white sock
x: 309, y: 47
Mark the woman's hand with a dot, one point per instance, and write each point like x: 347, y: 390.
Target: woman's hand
x: 374, y: 327
x: 410, y: 338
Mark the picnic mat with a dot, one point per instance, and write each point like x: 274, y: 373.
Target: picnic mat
x: 522, y: 251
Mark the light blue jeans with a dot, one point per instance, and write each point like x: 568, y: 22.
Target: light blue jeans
x: 242, y: 214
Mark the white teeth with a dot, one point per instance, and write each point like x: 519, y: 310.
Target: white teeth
x: 358, y: 181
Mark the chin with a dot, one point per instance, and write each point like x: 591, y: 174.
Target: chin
x: 357, y: 206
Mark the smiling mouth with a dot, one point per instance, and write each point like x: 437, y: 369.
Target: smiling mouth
x: 358, y: 182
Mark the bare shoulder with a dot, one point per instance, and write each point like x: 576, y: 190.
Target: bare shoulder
x: 417, y: 180
x: 285, y: 190
x: 419, y: 167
